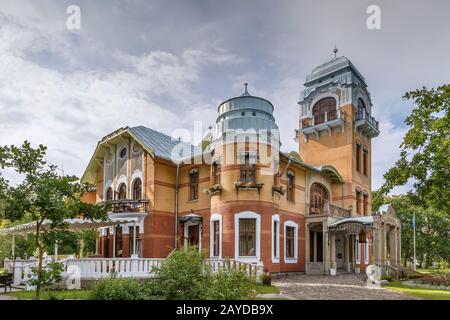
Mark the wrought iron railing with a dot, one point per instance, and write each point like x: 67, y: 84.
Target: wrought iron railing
x: 364, y: 115
x: 129, y: 205
x: 326, y: 208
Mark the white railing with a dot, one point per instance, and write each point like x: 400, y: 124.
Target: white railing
x: 251, y: 268
x: 96, y: 268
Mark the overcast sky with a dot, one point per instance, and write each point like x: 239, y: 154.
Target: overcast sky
x: 164, y: 64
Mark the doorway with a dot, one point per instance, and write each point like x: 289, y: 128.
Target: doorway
x: 193, y: 234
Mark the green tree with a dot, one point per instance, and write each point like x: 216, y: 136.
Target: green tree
x: 425, y: 150
x: 43, y: 195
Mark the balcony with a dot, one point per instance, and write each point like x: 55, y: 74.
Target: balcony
x: 367, y: 124
x: 129, y: 206
x: 327, y: 209
x: 321, y: 122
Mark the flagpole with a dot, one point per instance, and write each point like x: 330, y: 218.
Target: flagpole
x: 414, y: 241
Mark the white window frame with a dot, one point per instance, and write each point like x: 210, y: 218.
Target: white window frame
x: 247, y: 215
x: 290, y: 223
x: 276, y: 259
x: 357, y: 250
x: 366, y: 252
x: 215, y: 217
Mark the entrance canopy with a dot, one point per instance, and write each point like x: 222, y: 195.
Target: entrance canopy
x: 353, y: 225
x: 190, y: 217
x: 72, y: 224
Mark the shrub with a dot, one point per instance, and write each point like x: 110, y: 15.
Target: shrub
x: 231, y: 284
x: 183, y: 276
x: 414, y: 276
x: 49, y: 276
x: 114, y: 288
x: 440, y: 280
x: 266, y: 278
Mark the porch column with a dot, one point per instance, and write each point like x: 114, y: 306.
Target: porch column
x: 326, y: 246
x: 56, y: 250
x: 97, y: 244
x: 134, y: 238
x: 114, y: 242
x: 392, y: 247
x: 383, y: 244
x: 307, y: 248
x: 346, y: 253
x: 315, y: 246
x: 333, y: 250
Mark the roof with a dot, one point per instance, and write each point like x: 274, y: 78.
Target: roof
x: 161, y: 143
x: 72, y: 224
x: 329, y: 170
x: 332, y: 66
x: 366, y: 220
x: 158, y: 144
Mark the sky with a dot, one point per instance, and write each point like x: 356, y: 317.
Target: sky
x: 166, y: 64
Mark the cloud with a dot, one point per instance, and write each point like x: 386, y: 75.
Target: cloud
x: 70, y: 111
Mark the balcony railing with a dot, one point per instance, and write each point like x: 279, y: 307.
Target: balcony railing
x: 326, y: 208
x: 364, y: 115
x: 129, y: 205
x: 322, y: 118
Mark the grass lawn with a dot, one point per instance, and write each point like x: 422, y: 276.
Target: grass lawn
x: 85, y: 294
x: 428, y: 294
x: 432, y: 271
x: 47, y: 295
x: 260, y: 289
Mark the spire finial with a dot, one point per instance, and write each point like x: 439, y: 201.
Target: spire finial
x: 335, y: 50
x: 245, y: 90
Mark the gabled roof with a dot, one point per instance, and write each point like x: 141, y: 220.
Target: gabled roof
x: 328, y: 170
x: 156, y: 143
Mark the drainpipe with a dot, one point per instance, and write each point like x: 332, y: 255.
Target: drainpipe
x: 176, y: 205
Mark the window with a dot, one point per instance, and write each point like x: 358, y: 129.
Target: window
x: 361, y: 109
x: 358, y: 157
x: 109, y: 194
x: 318, y: 199
x: 216, y: 172
x: 358, y: 201
x: 248, y: 168
x: 242, y: 113
x: 193, y: 184
x: 325, y: 105
x: 290, y: 186
x: 275, y: 238
x: 254, y: 114
x: 216, y: 236
x: 122, y: 191
x: 290, y: 242
x: 123, y: 152
x: 247, y: 237
x: 137, y: 189
x: 130, y: 240
x: 365, y: 203
x: 365, y: 158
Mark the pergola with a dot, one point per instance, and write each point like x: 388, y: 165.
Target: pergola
x: 72, y: 225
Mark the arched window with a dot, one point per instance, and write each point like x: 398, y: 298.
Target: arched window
x: 137, y: 189
x: 318, y: 198
x: 109, y: 194
x: 327, y: 105
x: 361, y: 109
x: 122, y: 191
x: 358, y: 200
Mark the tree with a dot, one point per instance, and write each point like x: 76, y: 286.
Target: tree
x: 43, y: 195
x: 425, y: 150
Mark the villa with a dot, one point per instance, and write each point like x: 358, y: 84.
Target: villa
x: 239, y: 197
